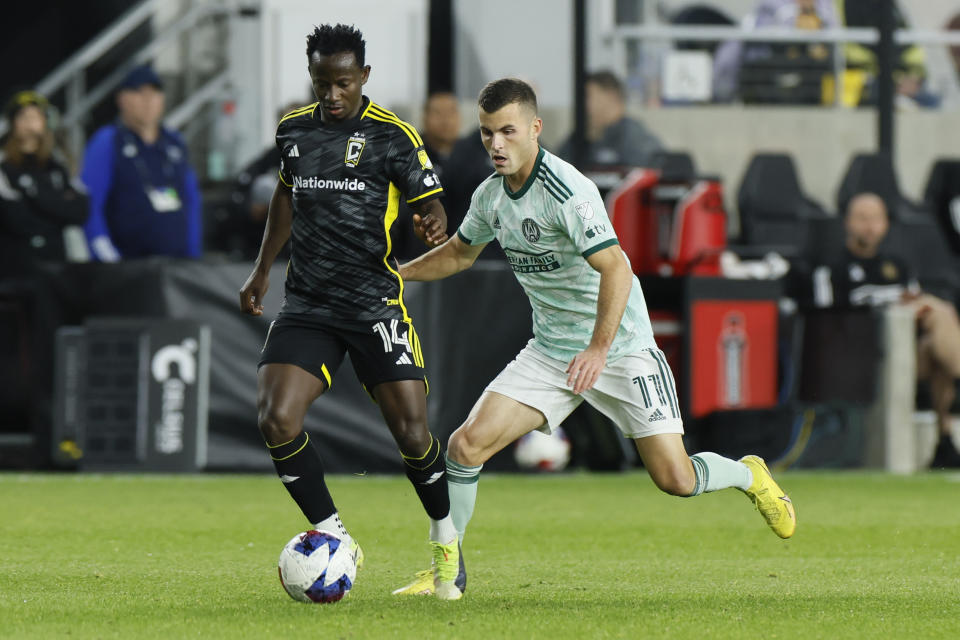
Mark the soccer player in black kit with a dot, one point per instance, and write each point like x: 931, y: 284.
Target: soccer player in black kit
x: 346, y: 162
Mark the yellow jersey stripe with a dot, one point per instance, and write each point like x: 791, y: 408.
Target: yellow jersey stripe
x: 413, y: 139
x: 406, y: 126
x: 424, y: 195
x: 301, y: 111
x: 284, y: 182
x: 393, y: 209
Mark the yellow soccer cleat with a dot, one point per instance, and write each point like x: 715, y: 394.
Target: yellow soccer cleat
x: 446, y: 569
x: 772, y: 503
x: 422, y: 585
x: 447, y: 578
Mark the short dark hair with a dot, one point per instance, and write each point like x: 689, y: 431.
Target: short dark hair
x: 608, y: 81
x: 327, y: 40
x: 499, y: 93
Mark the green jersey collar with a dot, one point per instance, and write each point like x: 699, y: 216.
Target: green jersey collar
x: 530, y: 179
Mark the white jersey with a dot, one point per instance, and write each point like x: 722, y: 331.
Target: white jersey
x: 547, y: 230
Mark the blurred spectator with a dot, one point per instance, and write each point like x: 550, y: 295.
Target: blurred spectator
x: 799, y: 14
x: 467, y: 166
x: 613, y: 138
x: 441, y: 127
x: 866, y: 275
x: 38, y: 198
x: 237, y: 227
x: 461, y: 163
x: 144, y: 198
x: 910, y: 74
x: 38, y: 203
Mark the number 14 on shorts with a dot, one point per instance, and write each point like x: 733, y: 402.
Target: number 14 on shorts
x: 391, y: 336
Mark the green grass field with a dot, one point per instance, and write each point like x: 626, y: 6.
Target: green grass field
x: 571, y: 556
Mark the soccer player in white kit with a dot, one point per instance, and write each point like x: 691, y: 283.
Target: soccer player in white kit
x: 592, y: 335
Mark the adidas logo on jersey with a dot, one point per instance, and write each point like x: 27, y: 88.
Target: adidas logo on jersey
x: 657, y: 415
x: 404, y: 359
x: 294, y: 152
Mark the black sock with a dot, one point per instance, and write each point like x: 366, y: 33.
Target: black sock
x: 301, y: 471
x: 427, y: 473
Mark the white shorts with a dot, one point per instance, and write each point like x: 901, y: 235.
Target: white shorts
x: 636, y: 391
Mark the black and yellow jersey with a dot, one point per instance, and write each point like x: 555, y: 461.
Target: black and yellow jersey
x: 347, y: 180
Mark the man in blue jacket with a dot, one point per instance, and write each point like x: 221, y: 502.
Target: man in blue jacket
x: 144, y: 199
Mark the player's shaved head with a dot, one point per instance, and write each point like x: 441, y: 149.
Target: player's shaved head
x: 870, y: 202
x: 500, y: 93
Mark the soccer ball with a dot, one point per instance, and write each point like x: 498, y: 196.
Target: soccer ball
x: 317, y: 566
x: 541, y: 452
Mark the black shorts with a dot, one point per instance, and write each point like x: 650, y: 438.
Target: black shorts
x: 381, y: 351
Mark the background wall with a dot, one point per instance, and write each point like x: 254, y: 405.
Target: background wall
x: 396, y: 35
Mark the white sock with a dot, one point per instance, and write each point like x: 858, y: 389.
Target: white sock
x: 462, y: 485
x: 443, y: 530
x: 714, y: 472
x: 332, y: 524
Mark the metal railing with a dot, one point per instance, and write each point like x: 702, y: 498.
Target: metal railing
x: 837, y: 37
x: 71, y: 76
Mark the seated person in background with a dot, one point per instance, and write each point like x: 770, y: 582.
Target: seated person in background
x: 467, y: 166
x: 38, y: 199
x: 866, y: 275
x: 799, y: 14
x: 144, y: 198
x: 910, y: 74
x: 461, y: 163
x: 613, y: 138
x: 440, y: 128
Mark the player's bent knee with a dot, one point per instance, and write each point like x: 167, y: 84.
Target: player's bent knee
x: 412, y: 436
x: 464, y: 448
x: 674, y: 480
x: 277, y: 426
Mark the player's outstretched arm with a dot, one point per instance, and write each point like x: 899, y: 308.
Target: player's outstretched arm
x: 616, y: 280
x: 430, y: 223
x: 275, y: 235
x: 453, y: 256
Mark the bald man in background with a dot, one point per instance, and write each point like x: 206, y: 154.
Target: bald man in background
x: 866, y: 275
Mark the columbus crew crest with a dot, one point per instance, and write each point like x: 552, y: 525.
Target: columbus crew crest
x: 354, y: 148
x: 424, y: 160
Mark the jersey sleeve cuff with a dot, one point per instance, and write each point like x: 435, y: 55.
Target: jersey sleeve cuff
x: 597, y: 247
x: 285, y: 183
x: 463, y: 237
x: 420, y: 197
